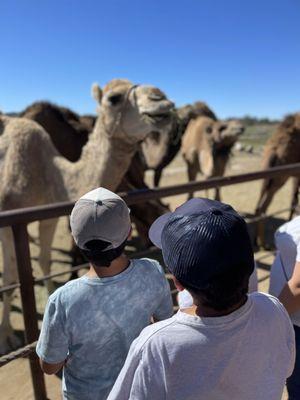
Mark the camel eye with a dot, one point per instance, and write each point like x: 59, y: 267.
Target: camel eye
x: 222, y: 128
x: 115, y: 99
x: 209, y: 129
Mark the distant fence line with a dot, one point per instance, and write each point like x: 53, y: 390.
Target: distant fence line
x: 19, y: 218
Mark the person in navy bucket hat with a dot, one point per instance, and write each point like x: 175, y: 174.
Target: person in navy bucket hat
x: 228, y: 345
x: 201, y: 240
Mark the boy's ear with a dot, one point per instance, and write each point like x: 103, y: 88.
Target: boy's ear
x: 177, y: 284
x: 129, y: 237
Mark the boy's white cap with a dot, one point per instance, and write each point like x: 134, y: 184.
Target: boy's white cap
x: 100, y: 214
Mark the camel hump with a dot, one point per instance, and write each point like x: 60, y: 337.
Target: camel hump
x: 202, y: 109
x: 24, y: 133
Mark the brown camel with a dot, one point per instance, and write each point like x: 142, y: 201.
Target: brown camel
x: 69, y: 133
x: 206, y: 147
x: 34, y: 173
x: 282, y: 148
x: 159, y: 150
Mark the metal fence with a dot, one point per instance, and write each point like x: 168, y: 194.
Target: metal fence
x: 20, y: 218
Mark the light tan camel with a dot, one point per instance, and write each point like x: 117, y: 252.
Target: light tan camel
x: 159, y: 150
x: 33, y: 172
x: 206, y: 147
x: 282, y: 148
x: 69, y: 133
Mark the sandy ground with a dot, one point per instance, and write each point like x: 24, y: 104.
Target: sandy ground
x: 15, y: 381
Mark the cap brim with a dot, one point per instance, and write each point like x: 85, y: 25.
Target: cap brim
x: 157, y: 227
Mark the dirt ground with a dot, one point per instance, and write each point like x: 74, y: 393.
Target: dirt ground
x: 15, y: 381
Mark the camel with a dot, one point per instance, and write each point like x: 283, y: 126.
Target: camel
x: 34, y: 173
x: 69, y: 133
x: 159, y: 150
x: 206, y: 147
x: 283, y: 147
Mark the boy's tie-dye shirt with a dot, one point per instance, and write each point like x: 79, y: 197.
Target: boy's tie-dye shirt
x: 92, y: 322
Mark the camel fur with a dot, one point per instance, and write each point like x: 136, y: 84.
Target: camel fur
x: 34, y: 173
x: 206, y: 147
x: 283, y: 147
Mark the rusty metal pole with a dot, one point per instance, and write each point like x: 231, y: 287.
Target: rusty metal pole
x: 261, y: 235
x: 21, y: 240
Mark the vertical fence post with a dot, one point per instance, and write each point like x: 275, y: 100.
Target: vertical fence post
x: 260, y: 230
x: 21, y: 241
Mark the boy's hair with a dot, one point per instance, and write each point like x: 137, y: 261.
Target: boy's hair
x: 97, y: 255
x: 223, y: 292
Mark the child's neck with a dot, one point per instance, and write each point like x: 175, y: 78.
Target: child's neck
x: 205, y: 312
x: 116, y: 267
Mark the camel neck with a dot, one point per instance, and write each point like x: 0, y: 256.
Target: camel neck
x: 104, y: 162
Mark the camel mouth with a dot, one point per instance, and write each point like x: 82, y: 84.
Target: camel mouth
x: 158, y: 114
x: 237, y: 131
x: 159, y: 117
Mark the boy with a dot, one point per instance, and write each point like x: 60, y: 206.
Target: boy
x: 228, y: 345
x: 90, y: 322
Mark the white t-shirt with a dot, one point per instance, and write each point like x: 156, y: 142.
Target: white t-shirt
x: 185, y: 299
x: 246, y: 355
x: 287, y: 238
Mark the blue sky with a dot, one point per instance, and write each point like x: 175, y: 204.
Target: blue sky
x: 241, y: 57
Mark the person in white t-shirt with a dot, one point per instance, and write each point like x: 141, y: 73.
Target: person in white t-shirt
x: 228, y: 345
x: 285, y: 284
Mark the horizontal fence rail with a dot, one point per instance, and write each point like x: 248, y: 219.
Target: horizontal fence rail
x: 20, y: 353
x: 31, y: 214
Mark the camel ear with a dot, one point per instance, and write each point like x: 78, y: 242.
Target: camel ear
x: 96, y: 92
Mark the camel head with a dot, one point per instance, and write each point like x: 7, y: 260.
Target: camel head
x: 130, y: 112
x: 229, y: 132
x: 217, y: 140
x: 159, y: 147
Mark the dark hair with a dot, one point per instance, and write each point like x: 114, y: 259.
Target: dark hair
x: 224, y: 292
x: 97, y: 255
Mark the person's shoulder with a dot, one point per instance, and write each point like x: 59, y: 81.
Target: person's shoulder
x: 154, y: 334
x: 261, y: 298
x: 289, y: 231
x: 290, y: 226
x: 149, y: 265
x: 66, y: 292
x: 269, y: 305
